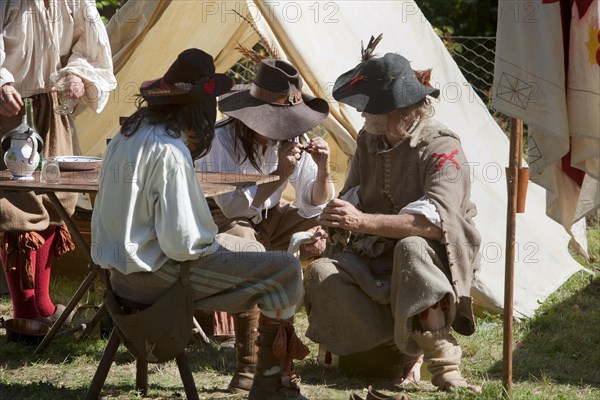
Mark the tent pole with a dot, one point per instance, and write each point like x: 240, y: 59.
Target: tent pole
x: 516, y: 135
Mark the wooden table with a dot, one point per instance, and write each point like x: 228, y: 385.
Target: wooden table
x: 212, y: 183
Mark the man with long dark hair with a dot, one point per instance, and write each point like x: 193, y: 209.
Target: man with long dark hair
x: 265, y: 133
x: 151, y: 216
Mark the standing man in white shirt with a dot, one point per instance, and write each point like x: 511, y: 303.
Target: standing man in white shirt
x: 40, y: 39
x: 151, y: 216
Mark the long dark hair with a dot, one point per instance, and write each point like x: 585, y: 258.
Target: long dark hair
x: 196, y: 119
x: 244, y: 136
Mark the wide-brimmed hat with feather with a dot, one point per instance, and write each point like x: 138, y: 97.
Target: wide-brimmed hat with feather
x: 274, y: 104
x: 190, y: 79
x: 383, y: 84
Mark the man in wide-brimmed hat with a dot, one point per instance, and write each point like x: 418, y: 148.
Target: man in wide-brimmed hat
x: 151, y: 218
x: 264, y: 133
x: 405, y: 275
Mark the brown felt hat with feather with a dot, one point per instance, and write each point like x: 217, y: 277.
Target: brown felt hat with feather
x: 274, y: 104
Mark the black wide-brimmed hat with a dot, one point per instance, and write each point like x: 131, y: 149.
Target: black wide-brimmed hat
x: 381, y: 85
x: 274, y: 104
x: 190, y: 79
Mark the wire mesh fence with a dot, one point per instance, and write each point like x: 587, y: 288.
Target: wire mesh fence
x: 243, y: 71
x: 475, y: 56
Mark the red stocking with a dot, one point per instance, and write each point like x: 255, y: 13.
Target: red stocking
x: 23, y: 301
x: 32, y: 303
x: 43, y: 261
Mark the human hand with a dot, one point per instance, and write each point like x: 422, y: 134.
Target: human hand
x: 10, y: 101
x: 318, y: 149
x: 317, y: 246
x: 341, y: 214
x: 289, y: 154
x: 70, y: 87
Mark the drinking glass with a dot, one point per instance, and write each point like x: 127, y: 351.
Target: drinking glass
x: 50, y: 171
x: 65, y: 104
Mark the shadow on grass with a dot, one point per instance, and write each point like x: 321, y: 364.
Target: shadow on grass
x: 50, y: 391
x: 42, y: 390
x: 313, y: 373
x: 211, y: 356
x: 562, y: 343
x: 15, y: 355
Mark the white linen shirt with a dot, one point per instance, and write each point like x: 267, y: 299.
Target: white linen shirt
x: 223, y: 157
x: 67, y: 37
x: 150, y: 207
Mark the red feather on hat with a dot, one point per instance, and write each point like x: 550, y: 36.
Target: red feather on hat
x: 424, y: 76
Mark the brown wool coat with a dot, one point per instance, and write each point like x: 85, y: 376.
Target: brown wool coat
x: 431, y: 163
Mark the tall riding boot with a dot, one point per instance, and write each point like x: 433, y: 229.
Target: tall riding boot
x: 442, y: 355
x: 246, y: 332
x: 278, y: 345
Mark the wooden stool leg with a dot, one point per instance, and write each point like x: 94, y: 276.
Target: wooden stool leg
x: 101, y: 313
x: 186, y: 377
x: 103, y: 367
x: 141, y: 376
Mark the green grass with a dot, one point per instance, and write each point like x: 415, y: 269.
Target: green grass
x: 556, y: 356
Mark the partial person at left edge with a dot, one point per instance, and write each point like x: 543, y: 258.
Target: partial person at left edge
x: 40, y: 39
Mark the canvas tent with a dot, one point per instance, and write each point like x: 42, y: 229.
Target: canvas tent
x: 323, y: 40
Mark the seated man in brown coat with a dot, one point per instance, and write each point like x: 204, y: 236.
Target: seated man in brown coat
x: 405, y: 275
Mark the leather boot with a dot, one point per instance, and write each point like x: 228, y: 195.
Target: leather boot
x: 442, y: 355
x: 278, y: 345
x: 246, y: 332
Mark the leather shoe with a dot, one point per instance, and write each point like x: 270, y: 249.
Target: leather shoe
x: 375, y: 395
x: 50, y: 320
x: 354, y: 396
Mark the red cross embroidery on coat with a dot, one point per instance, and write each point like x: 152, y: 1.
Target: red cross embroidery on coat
x: 443, y: 158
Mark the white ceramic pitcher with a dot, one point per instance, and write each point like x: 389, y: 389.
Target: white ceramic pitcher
x: 22, y: 146
x: 22, y: 157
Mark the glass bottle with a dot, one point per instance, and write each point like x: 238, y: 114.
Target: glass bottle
x: 29, y: 120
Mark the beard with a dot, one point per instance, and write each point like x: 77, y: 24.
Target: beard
x: 377, y: 124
